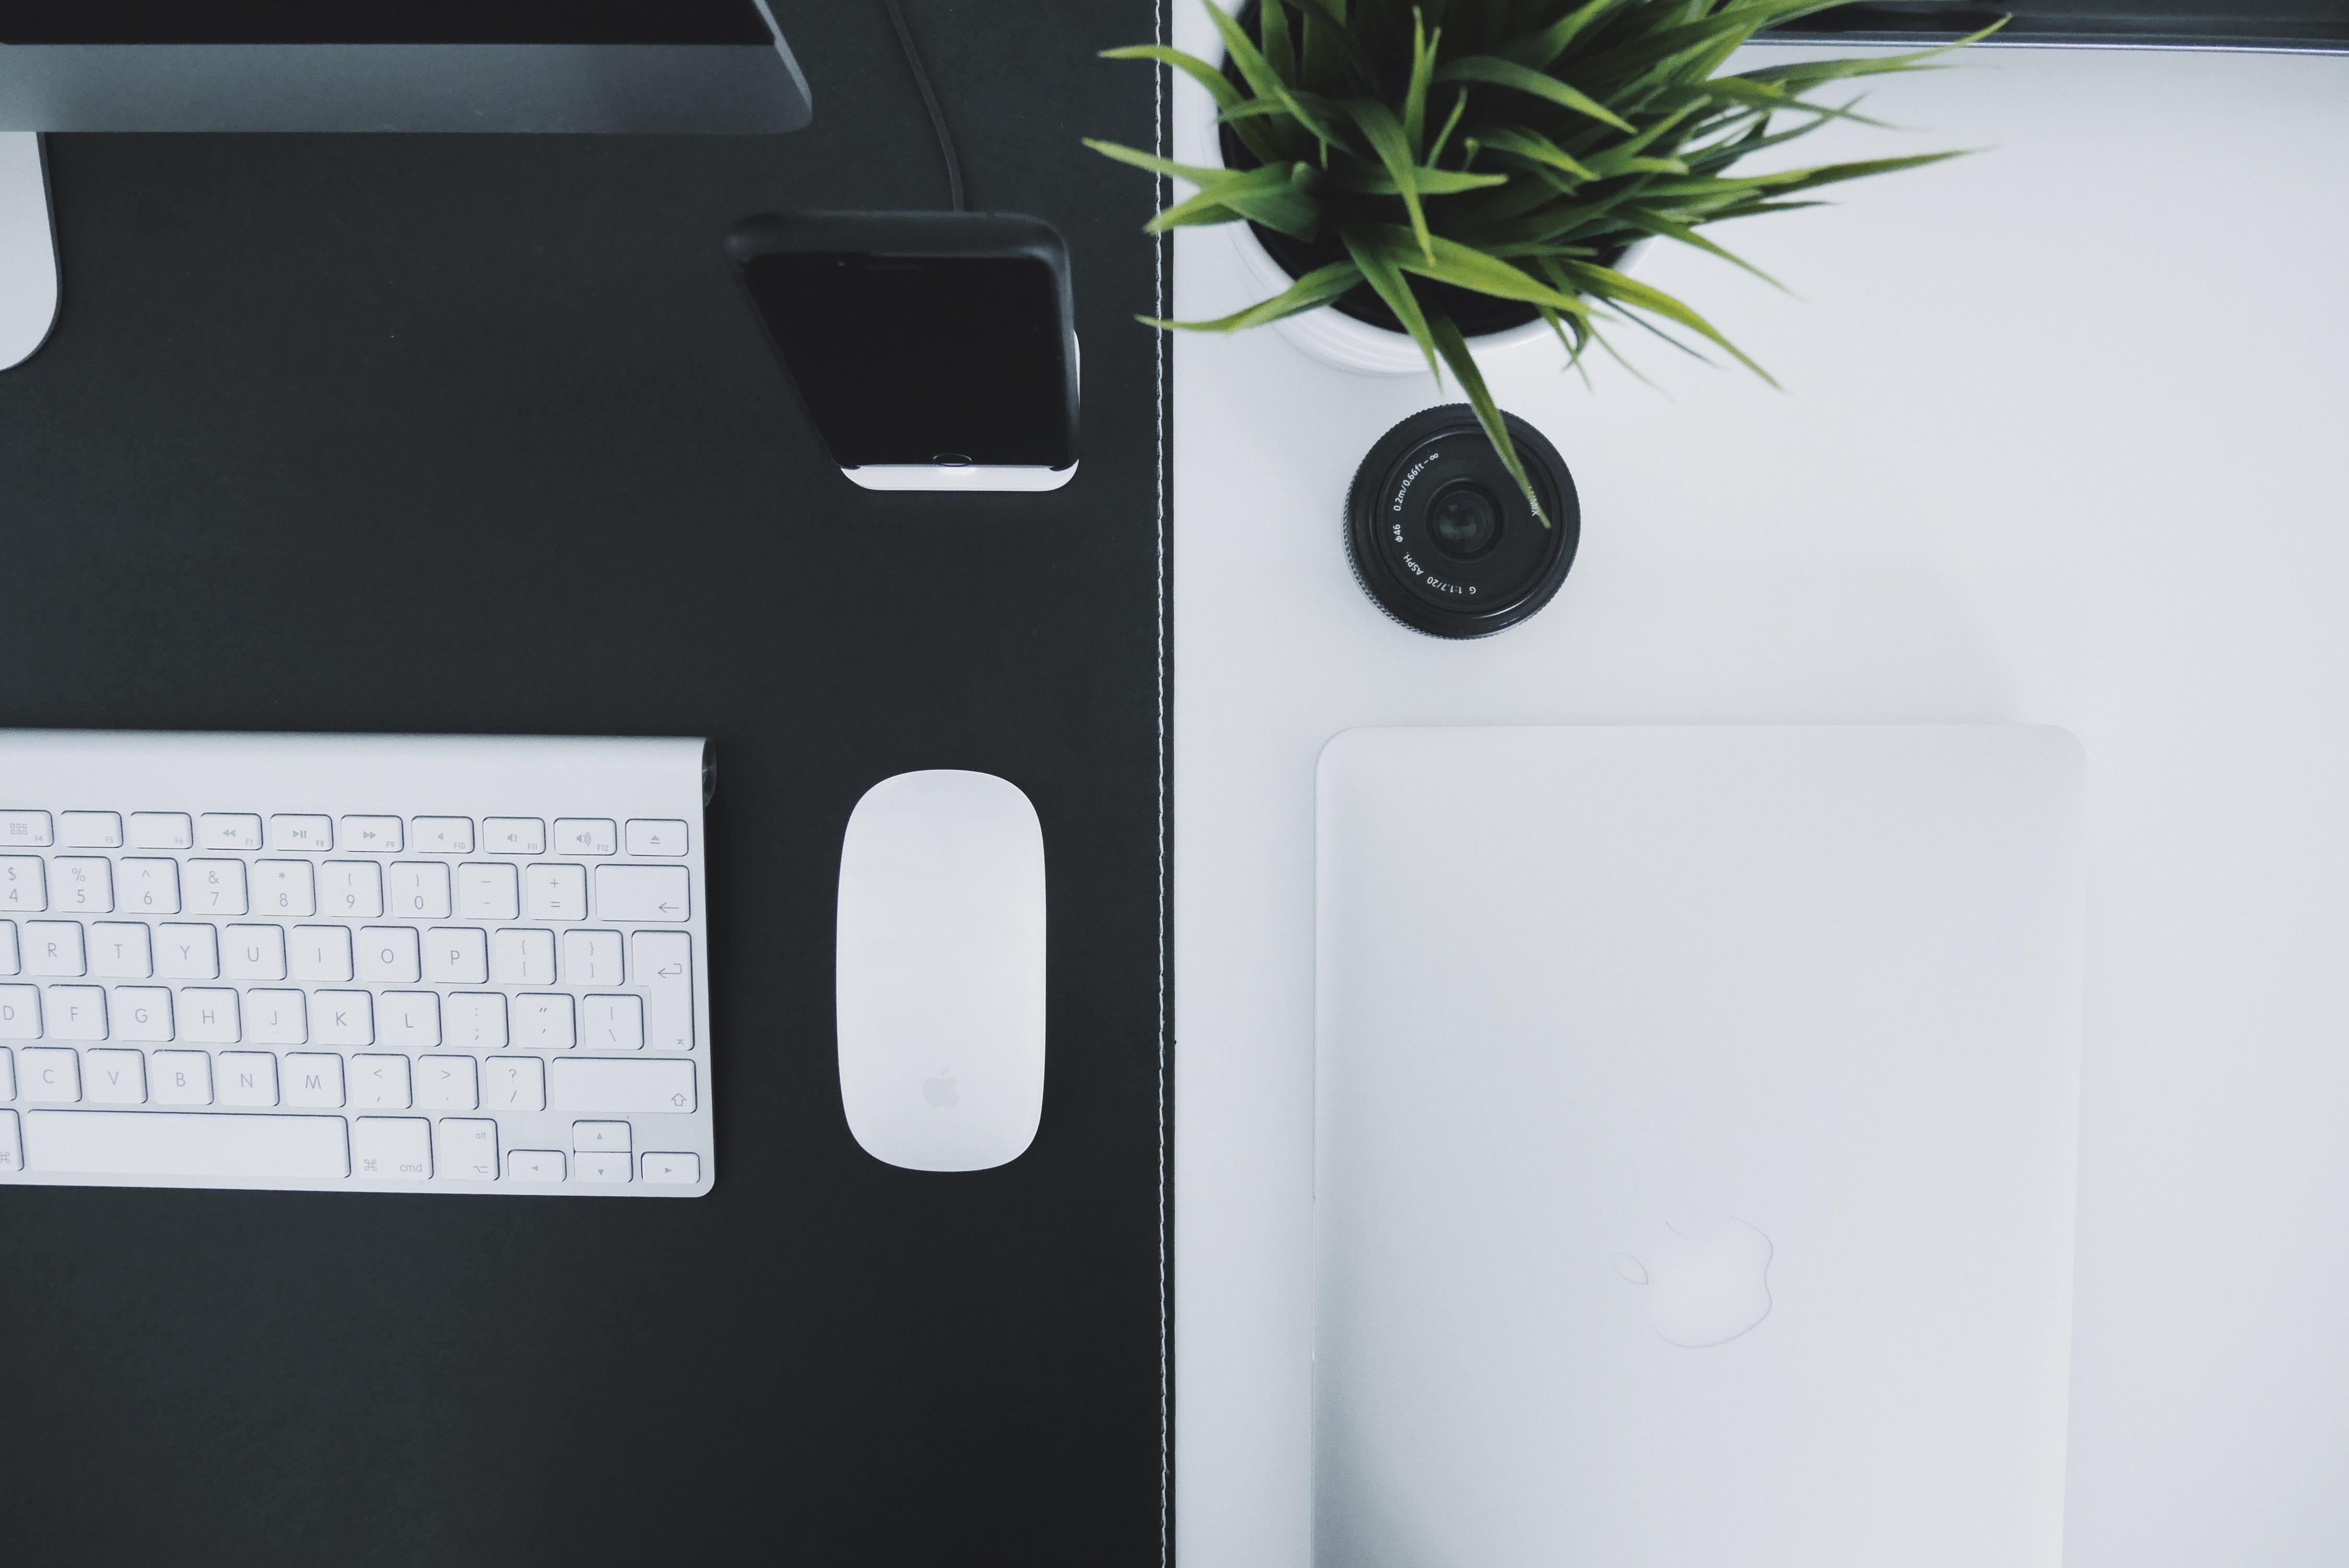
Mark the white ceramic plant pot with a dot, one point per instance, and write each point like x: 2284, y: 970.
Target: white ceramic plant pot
x: 1337, y: 339
x: 1331, y: 335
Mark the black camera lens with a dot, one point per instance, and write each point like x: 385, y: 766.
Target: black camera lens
x: 1465, y: 521
x: 1442, y: 536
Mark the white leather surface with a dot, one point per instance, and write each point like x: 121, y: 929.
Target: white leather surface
x: 2060, y: 444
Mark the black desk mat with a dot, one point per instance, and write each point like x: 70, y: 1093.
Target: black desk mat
x: 473, y: 434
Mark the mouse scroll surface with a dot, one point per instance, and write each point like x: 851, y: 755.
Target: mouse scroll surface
x: 940, y: 971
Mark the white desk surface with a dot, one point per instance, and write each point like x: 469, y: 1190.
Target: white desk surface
x: 2063, y: 443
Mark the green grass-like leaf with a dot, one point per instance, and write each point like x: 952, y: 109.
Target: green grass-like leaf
x: 1454, y: 347
x: 1501, y: 73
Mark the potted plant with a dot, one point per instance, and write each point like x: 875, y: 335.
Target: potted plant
x: 1452, y: 172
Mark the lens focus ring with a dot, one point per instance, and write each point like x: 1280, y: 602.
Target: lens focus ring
x: 1442, y: 536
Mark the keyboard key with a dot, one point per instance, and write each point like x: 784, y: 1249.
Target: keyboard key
x: 284, y: 889
x: 248, y: 1078
x: 456, y: 955
x: 374, y: 835
x: 586, y: 835
x: 24, y: 890
x: 7, y: 1074
x: 555, y: 892
x: 409, y: 1019
x: 216, y: 887
x: 187, y: 952
x: 82, y: 884
x: 447, y: 1083
x: 116, y: 1076
x: 663, y: 962
x: 672, y: 1169
x: 420, y: 889
x: 142, y: 1013
x: 257, y: 1148
x: 642, y: 892
x: 12, y: 1147
x: 120, y: 950
x: 180, y: 1078
x: 379, y: 1083
x: 444, y: 835
x: 536, y: 1166
x: 391, y: 954
x: 228, y: 830
x: 391, y: 1149
x: 352, y: 890
x: 275, y: 1018
x: 522, y: 958
x: 54, y: 947
x: 468, y: 1150
x: 150, y: 887
x: 628, y: 1088
x: 48, y: 1075
x: 487, y: 891
x: 209, y: 1017
x: 9, y: 959
x: 599, y: 1137
x: 591, y: 958
x: 254, y: 953
x: 90, y: 830
x: 612, y: 1023
x: 314, y: 1078
x: 514, y: 835
x: 606, y: 1170
x: 302, y: 835
x: 26, y: 829
x: 656, y: 836
x: 343, y: 1018
x: 162, y: 831
x: 320, y: 955
x: 75, y: 1011
x: 20, y: 1013
x: 545, y: 1023
x: 475, y: 1020
x: 513, y: 1083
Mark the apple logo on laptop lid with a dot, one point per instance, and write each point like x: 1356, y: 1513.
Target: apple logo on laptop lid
x: 1706, y: 1285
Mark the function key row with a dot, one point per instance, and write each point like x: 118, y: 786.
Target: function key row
x: 316, y: 835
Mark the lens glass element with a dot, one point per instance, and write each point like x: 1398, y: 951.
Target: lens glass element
x: 1465, y: 522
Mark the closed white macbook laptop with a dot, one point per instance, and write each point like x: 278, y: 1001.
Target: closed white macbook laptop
x: 1696, y: 1124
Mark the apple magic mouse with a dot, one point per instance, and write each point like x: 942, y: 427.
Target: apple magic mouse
x: 939, y: 985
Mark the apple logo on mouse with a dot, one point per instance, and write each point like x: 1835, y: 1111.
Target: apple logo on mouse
x: 1709, y: 1285
x: 940, y: 1089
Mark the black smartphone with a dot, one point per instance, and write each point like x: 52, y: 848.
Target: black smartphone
x: 931, y: 350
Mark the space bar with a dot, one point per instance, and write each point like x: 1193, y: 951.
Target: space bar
x: 174, y: 1143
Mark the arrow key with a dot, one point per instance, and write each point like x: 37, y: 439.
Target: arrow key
x: 600, y: 1137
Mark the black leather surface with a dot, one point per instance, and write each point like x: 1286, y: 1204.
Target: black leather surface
x: 379, y: 433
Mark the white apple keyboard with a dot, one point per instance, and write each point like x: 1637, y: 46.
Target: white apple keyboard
x: 354, y: 962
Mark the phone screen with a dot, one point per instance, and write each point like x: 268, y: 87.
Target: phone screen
x: 922, y: 359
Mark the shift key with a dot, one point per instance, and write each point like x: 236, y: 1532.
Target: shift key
x: 642, y: 892
x: 638, y: 1088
